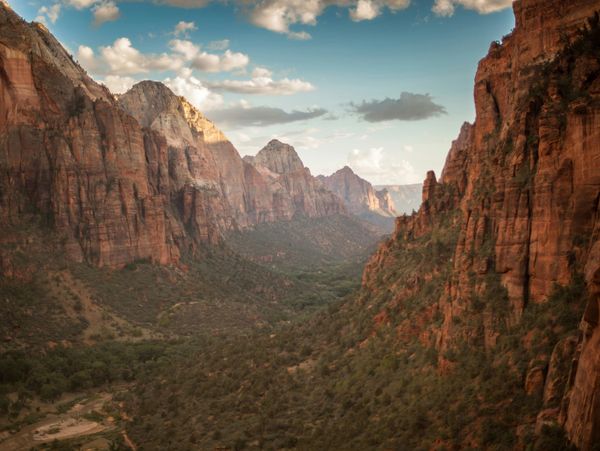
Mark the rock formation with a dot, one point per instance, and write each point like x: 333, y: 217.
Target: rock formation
x: 142, y: 176
x: 522, y: 188
x: 405, y: 198
x: 358, y: 194
x: 296, y: 191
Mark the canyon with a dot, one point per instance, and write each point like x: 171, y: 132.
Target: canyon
x: 144, y: 175
x: 476, y: 323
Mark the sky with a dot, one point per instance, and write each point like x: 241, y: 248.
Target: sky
x: 382, y: 86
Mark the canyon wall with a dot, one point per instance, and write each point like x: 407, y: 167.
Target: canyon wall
x: 521, y: 186
x: 144, y: 176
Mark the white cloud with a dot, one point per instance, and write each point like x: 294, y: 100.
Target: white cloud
x: 299, y: 35
x: 186, y: 85
x: 447, y: 7
x: 122, y: 58
x: 81, y: 4
x: 85, y: 56
x: 277, y: 15
x: 106, y: 11
x: 117, y: 84
x: 379, y: 168
x: 261, y: 72
x: 228, y: 61
x: 280, y: 15
x: 186, y: 48
x: 264, y: 85
x: 365, y: 10
x: 218, y: 45
x: 51, y: 13
x: 182, y: 28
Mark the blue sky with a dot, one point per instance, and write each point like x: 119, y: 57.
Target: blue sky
x: 314, y: 73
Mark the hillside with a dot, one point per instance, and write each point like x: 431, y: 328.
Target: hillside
x: 468, y: 330
x: 166, y: 294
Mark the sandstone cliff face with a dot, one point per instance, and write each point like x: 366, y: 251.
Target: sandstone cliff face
x: 278, y: 157
x: 358, y: 194
x: 69, y: 155
x: 406, y: 198
x: 525, y: 180
x: 144, y: 176
x: 295, y: 190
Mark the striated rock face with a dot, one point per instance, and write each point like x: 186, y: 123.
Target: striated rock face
x: 358, y: 194
x: 406, y: 198
x: 278, y: 157
x: 522, y: 188
x: 144, y: 176
x: 69, y: 156
x: 295, y: 190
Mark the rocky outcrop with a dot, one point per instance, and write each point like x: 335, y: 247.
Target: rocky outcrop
x: 295, y: 190
x: 145, y: 176
x: 522, y: 186
x: 278, y: 157
x: 406, y: 198
x: 359, y: 195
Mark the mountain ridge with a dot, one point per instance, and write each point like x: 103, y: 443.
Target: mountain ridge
x: 141, y: 175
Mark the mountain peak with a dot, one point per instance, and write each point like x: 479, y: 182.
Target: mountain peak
x: 346, y: 170
x: 279, y: 157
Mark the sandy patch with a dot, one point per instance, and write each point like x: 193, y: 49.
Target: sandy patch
x: 67, y: 428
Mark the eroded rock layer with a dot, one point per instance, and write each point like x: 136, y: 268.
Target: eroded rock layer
x: 142, y: 176
x: 521, y: 186
x: 358, y: 194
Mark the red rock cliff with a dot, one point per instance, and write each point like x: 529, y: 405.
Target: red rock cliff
x: 358, y: 194
x: 524, y: 180
x: 144, y: 176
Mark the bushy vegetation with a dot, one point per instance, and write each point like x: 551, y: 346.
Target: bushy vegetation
x: 48, y: 375
x: 302, y: 243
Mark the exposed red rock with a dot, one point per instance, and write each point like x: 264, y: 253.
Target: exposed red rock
x: 525, y: 179
x: 142, y: 176
x: 359, y: 195
x: 295, y: 190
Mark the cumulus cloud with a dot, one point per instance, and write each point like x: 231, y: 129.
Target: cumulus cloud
x: 81, y: 4
x: 226, y: 62
x: 365, y: 10
x: 261, y: 72
x: 380, y: 168
x: 244, y: 115
x: 104, y: 12
x: 280, y: 15
x: 261, y: 83
x: 122, y: 58
x: 188, y: 86
x: 50, y: 13
x: 447, y: 7
x: 182, y: 28
x: 409, y: 107
x: 117, y: 84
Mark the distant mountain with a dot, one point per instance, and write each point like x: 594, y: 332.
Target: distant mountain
x: 406, y: 198
x: 361, y: 198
